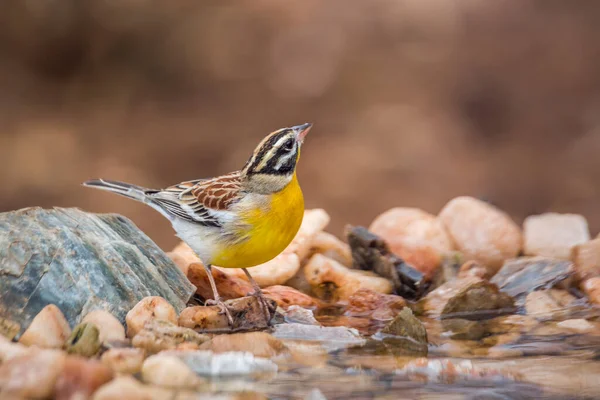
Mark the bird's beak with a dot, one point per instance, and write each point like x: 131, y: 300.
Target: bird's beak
x: 301, y: 131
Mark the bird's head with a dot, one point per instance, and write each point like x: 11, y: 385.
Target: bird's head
x: 273, y: 163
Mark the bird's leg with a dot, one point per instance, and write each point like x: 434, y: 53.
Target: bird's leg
x: 262, y: 300
x: 217, y: 299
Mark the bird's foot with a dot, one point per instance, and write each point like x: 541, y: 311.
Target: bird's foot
x: 224, y: 310
x: 264, y: 305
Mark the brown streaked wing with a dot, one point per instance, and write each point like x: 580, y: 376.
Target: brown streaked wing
x: 218, y: 193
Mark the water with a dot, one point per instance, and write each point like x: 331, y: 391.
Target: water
x: 521, y: 358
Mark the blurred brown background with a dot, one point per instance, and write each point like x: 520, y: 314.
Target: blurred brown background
x: 414, y: 102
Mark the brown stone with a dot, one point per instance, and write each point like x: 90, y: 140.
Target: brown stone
x: 591, y: 287
x: 481, y: 231
x: 286, y: 296
x: 149, y: 308
x: 124, y: 360
x: 162, y: 335
x: 469, y: 295
x: 48, y: 329
x: 586, y: 257
x: 80, y: 378
x: 108, y: 325
x: 332, y: 281
x: 31, y: 375
x: 365, y: 302
x: 229, y: 286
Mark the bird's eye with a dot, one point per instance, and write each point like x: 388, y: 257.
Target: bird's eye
x: 289, y: 145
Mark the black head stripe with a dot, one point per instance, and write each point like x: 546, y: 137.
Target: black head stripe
x: 265, y: 148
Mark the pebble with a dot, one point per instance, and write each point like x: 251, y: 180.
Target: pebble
x: 160, y: 335
x: 378, y: 306
x: 332, y: 281
x: 109, y: 327
x: 415, y: 236
x: 406, y: 324
x: 48, y: 329
x: 591, y: 287
x: 579, y: 325
x: 9, y: 349
x: 31, y: 375
x: 229, y: 286
x: 300, y: 315
x: 554, y: 235
x: 80, y: 378
x: 169, y: 371
x: 330, y: 246
x: 481, y: 232
x: 473, y: 268
x: 126, y: 387
x: 124, y: 360
x: 286, y: 297
x: 260, y: 344
x: 586, y: 257
x: 148, y: 309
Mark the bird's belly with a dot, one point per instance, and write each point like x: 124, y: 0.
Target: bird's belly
x: 272, y: 230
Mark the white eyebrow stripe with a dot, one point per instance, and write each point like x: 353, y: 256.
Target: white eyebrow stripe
x: 283, y: 160
x: 272, y: 152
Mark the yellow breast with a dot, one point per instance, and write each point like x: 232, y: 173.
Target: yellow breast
x: 271, y: 228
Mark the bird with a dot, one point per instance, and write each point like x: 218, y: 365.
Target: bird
x: 237, y: 220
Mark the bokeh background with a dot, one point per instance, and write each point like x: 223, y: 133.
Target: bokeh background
x: 414, y: 102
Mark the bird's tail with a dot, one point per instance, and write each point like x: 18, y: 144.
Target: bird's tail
x: 124, y: 189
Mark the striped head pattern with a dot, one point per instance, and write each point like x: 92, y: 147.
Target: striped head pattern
x: 274, y: 160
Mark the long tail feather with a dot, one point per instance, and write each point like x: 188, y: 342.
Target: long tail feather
x: 124, y: 189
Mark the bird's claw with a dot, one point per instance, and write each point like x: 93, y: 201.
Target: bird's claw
x: 223, y: 309
x: 264, y: 306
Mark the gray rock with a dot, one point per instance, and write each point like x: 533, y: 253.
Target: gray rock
x: 80, y: 262
x: 519, y: 277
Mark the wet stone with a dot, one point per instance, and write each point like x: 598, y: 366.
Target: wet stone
x: 162, y: 335
x: 463, y: 329
x: 480, y: 296
x: 371, y: 253
x: 404, y: 335
x: 519, y: 277
x: 469, y: 298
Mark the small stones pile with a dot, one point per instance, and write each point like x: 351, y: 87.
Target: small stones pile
x: 467, y: 275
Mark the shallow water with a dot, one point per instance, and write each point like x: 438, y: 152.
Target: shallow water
x: 549, y: 362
